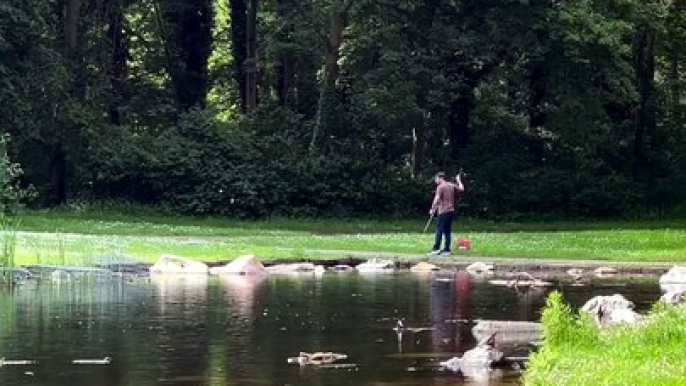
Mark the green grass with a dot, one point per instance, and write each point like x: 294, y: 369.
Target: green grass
x: 576, y: 353
x: 73, y: 237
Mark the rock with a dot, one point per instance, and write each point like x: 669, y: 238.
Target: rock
x: 604, y: 271
x: 484, y: 355
x: 608, y: 303
x: 424, y: 267
x: 242, y: 265
x: 575, y: 273
x: 15, y: 274
x: 676, y: 275
x: 522, y: 280
x: 170, y: 264
x: 508, y: 331
x: 121, y: 264
x: 479, y: 268
x: 611, y: 309
x: 292, y: 268
x: 673, y: 297
x: 341, y: 268
x: 452, y: 364
x: 374, y: 265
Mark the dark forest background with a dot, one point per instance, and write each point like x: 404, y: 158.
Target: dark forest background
x: 249, y: 108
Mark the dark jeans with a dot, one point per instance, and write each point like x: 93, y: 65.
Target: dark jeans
x: 444, y: 227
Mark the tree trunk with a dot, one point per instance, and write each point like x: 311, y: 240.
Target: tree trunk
x: 468, y: 75
x: 191, y: 34
x: 286, y: 66
x: 238, y: 45
x: 251, y: 57
x: 673, y: 80
x: 57, y: 164
x: 327, y: 97
x: 71, y: 25
x: 645, y: 120
x: 537, y: 116
x: 118, y: 53
x: 58, y: 175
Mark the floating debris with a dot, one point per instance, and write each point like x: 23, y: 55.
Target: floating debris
x: 19, y: 362
x: 103, y: 361
x: 317, y: 358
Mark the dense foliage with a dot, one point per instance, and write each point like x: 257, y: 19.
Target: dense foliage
x: 252, y: 108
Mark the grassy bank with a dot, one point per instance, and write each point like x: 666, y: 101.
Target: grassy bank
x: 59, y: 237
x: 576, y: 353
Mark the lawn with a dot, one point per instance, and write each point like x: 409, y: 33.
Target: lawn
x: 71, y: 237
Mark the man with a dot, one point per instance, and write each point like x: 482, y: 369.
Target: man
x: 443, y: 206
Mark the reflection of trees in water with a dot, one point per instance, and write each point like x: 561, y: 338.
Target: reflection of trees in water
x: 232, y: 349
x: 182, y: 338
x: 239, y: 293
x: 55, y: 323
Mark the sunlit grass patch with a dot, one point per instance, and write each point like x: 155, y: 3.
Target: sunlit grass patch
x: 75, y: 238
x: 575, y: 352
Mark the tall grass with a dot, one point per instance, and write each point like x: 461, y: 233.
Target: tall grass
x: 575, y: 352
x: 8, y: 237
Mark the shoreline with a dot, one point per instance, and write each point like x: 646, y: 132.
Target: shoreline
x: 462, y: 260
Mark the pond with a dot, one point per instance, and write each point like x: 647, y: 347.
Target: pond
x: 236, y: 330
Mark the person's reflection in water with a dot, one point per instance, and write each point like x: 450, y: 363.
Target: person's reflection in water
x: 442, y: 308
x: 449, y: 306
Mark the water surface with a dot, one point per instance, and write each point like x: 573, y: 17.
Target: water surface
x: 177, y: 331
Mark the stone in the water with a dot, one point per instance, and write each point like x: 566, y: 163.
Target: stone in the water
x: 424, y: 267
x: 170, y: 264
x: 374, y: 265
x: 605, y: 271
x: 242, y: 265
x: 480, y: 268
x: 611, y: 309
x: 676, y: 275
x: 292, y: 268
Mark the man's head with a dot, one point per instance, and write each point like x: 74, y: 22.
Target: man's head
x: 439, y: 178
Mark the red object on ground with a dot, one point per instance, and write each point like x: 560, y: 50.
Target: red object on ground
x: 464, y: 244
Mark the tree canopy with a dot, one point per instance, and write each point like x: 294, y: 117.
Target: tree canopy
x: 252, y: 108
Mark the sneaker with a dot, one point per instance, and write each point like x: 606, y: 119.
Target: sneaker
x: 435, y: 252
x: 444, y: 253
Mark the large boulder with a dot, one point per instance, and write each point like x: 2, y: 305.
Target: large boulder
x: 611, y: 309
x: 170, y: 264
x: 483, y: 356
x: 242, y: 265
x: 676, y: 275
